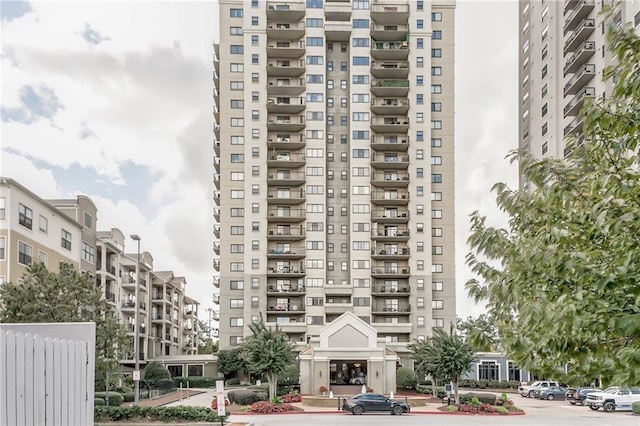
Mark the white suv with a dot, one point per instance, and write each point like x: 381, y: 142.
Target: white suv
x: 613, y: 398
x: 527, y: 391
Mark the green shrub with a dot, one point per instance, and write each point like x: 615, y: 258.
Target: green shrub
x: 128, y: 396
x: 233, y: 382
x: 452, y: 408
x: 483, y: 398
x: 154, y: 372
x: 290, y: 376
x: 194, y: 382
x: 163, y: 414
x: 406, y: 378
x: 115, y: 399
x: 243, y: 397
x: 635, y: 407
x: 97, y: 402
x: 502, y: 410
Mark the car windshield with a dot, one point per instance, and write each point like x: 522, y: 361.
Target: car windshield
x: 612, y: 389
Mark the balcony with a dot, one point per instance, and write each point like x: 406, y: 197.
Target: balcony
x: 216, y: 160
x: 581, y: 11
x: 573, y: 107
x: 128, y: 305
x: 390, y: 106
x: 157, y: 317
x: 216, y: 247
x: 285, y: 214
x: 216, y: 133
x: 285, y: 290
x: 338, y: 290
x: 216, y: 265
x: 285, y: 307
x: 284, y: 86
x: 286, y: 159
x: 110, y: 296
x: 338, y: 12
x: 396, y: 32
x: 390, y: 50
x: 285, y: 30
x: 390, y: 198
x: 216, y: 299
x: 579, y: 57
x: 391, y: 327
x: 286, y: 141
x: 156, y: 297
x: 285, y: 11
x: 391, y: 309
x: 580, y: 34
x: 569, y: 5
x: 216, y: 147
x: 285, y: 68
x: 216, y: 213
x: 216, y: 180
x: 291, y: 253
x: 394, y: 70
x: 387, y: 142
x: 390, y: 13
x: 285, y: 178
x: 390, y: 233
x: 216, y: 196
x: 111, y: 269
x: 390, y: 252
x: 338, y: 305
x: 285, y: 233
x: 391, y: 179
x: 337, y: 30
x: 285, y: 49
x: 390, y: 216
x: 390, y: 124
x: 286, y: 196
x: 216, y: 282
x: 395, y: 290
x: 285, y: 123
x: 285, y: 271
x: 288, y: 324
x: 387, y: 271
x: 390, y: 161
x: 216, y: 230
x: 575, y: 127
x: 287, y: 105
x: 390, y: 87
x: 580, y: 79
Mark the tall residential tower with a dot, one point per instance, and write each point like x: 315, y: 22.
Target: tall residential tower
x: 335, y: 167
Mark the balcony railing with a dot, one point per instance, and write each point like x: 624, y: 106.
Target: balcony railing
x: 379, y: 214
x: 286, y: 232
x: 390, y: 83
x: 390, y: 232
x: 391, y: 251
x: 287, y: 307
x: 280, y: 288
x: 398, y: 289
x: 284, y: 214
x: 390, y: 195
x: 388, y: 309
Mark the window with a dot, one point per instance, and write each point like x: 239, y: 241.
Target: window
x: 237, y: 140
x: 315, y: 41
x: 237, y: 194
x: 2, y: 247
x: 420, y: 43
x: 436, y: 196
x: 513, y: 371
x: 314, y: 60
x: 488, y: 370
x: 237, y: 158
x: 315, y: 97
x: 237, y: 67
x: 360, y: 116
x: 237, y: 122
x: 315, y: 78
x: 360, y: 60
x: 237, y: 49
x: 25, y: 253
x: 358, y: 98
x: 236, y: 285
x: 3, y: 208
x: 314, y: 22
x: 436, y: 106
x: 545, y: 148
x: 236, y: 266
x: 436, y: 88
x: 420, y: 24
x: 314, y: 4
x: 436, y: 16
x: 88, y: 252
x: 42, y: 257
x: 436, y: 232
x: 437, y: 268
x: 436, y: 142
x: 420, y: 99
x: 236, y: 248
x: 420, y: 5
x: 315, y: 320
x: 25, y: 216
x: 235, y: 31
x: 360, y: 23
x: 237, y: 230
x: 254, y: 21
x: 436, y: 53
x: 43, y: 225
x: 236, y: 13
x: 236, y: 85
x: 360, y: 42
x: 65, y: 240
x: 255, y: 60
x: 420, y: 80
x: 361, y: 301
x: 437, y: 322
x: 436, y: 35
x: 436, y: 214
x: 436, y: 125
x: 237, y: 104
x: 235, y: 340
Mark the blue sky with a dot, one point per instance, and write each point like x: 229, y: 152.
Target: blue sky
x: 113, y: 100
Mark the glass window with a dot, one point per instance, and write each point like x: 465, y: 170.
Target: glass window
x: 65, y: 239
x: 25, y: 216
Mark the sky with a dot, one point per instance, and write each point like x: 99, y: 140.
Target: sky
x: 113, y: 100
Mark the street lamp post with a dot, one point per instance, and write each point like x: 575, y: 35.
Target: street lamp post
x: 210, y: 310
x: 136, y: 339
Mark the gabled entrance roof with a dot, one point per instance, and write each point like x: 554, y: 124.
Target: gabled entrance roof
x: 348, y: 331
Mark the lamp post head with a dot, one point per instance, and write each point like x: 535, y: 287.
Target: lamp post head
x: 135, y: 237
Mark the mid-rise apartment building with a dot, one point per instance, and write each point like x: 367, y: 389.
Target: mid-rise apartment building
x: 335, y: 168
x: 562, y: 56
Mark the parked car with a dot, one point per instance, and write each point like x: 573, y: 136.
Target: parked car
x: 374, y: 402
x: 528, y: 390
x: 553, y: 392
x: 577, y: 396
x: 613, y: 399
x: 360, y: 380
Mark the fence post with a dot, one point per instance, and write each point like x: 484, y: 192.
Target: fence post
x: 339, y: 403
x: 180, y: 391
x: 187, y: 390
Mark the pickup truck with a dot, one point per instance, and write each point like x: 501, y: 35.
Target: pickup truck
x: 613, y: 399
x: 528, y: 390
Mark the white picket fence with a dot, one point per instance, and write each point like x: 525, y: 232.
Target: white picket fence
x: 47, y: 374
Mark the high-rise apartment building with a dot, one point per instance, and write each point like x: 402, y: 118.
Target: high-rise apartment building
x: 562, y: 57
x: 335, y: 167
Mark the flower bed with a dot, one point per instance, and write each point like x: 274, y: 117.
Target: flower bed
x: 265, y: 407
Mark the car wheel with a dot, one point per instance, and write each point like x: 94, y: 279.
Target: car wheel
x: 609, y: 407
x: 550, y: 397
x: 357, y: 382
x: 594, y: 408
x: 530, y: 395
x: 357, y: 410
x: 397, y: 410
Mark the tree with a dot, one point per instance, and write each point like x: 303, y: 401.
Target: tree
x: 230, y: 361
x: 406, y: 378
x: 423, y: 353
x: 561, y: 279
x: 269, y: 352
x: 68, y: 296
x: 155, y: 372
x: 481, y: 333
x: 447, y: 355
x: 206, y: 345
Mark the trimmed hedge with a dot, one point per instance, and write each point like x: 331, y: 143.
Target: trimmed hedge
x: 484, y: 398
x: 163, y: 414
x: 232, y: 382
x: 97, y: 402
x: 489, y: 384
x: 243, y: 397
x: 406, y: 378
x: 115, y: 399
x: 194, y: 382
x: 128, y: 396
x: 635, y: 407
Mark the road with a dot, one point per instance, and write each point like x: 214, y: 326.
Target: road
x: 545, y: 413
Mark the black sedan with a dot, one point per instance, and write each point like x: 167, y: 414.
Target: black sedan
x: 374, y: 402
x: 578, y: 396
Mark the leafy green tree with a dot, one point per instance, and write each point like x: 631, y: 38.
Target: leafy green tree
x: 561, y: 280
x: 406, y: 378
x: 206, y: 345
x: 446, y: 355
x: 290, y: 376
x: 67, y: 296
x: 231, y: 361
x: 155, y: 372
x: 269, y: 352
x: 480, y: 332
x: 423, y: 353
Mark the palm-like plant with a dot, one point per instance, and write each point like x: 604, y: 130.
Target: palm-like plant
x: 268, y: 352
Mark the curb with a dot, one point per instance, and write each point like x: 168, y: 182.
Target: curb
x: 420, y: 413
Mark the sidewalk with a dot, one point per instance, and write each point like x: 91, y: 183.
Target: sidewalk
x: 168, y: 399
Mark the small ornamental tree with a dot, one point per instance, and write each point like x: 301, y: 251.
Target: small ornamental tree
x: 269, y: 352
x: 155, y: 372
x: 406, y: 378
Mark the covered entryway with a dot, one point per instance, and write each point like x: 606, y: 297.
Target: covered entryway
x: 347, y: 351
